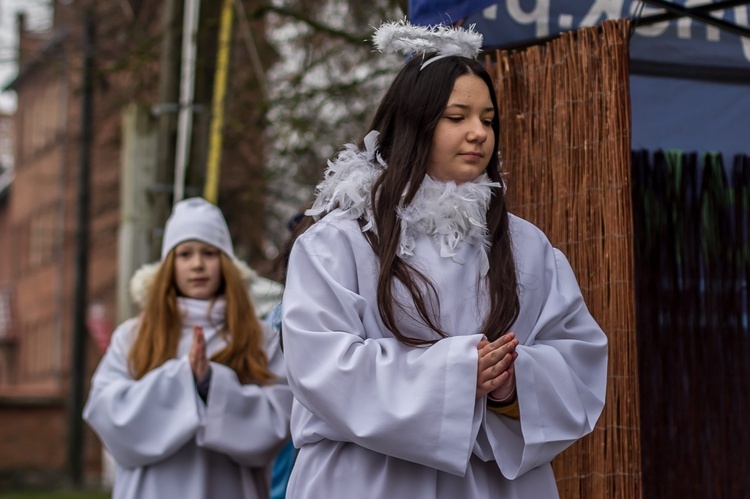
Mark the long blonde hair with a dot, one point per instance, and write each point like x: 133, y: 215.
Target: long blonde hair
x: 161, y: 327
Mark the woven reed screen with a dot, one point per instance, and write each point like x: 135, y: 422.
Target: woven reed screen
x: 565, y: 140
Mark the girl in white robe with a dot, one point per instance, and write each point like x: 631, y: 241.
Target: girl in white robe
x: 464, y: 384
x: 191, y: 396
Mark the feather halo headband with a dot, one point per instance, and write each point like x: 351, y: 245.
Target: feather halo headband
x: 402, y: 36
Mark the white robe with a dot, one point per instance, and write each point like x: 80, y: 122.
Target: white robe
x: 374, y: 418
x: 167, y: 442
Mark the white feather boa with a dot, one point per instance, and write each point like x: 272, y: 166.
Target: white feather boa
x: 451, y: 214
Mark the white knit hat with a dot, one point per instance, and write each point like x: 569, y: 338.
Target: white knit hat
x: 196, y: 219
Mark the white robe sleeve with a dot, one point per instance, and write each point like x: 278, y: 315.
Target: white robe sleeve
x: 145, y: 421
x: 248, y: 423
x: 561, y: 375
x: 416, y: 404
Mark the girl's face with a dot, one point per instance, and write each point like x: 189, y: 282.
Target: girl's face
x: 197, y: 267
x: 464, y: 139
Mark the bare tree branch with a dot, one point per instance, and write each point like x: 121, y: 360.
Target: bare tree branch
x: 354, y: 39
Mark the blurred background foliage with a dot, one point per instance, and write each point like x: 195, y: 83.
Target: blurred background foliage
x: 324, y: 87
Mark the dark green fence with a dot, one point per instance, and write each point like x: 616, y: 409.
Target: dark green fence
x: 692, y: 265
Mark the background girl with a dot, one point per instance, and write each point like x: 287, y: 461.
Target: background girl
x: 191, y: 397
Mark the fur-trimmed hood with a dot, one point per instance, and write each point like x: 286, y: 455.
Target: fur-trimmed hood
x: 264, y: 293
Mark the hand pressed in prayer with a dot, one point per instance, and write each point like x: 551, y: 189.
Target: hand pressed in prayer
x: 198, y: 358
x: 495, y: 373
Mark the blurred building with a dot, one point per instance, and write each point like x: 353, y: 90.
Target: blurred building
x: 39, y: 210
x: 7, y: 143
x: 7, y: 332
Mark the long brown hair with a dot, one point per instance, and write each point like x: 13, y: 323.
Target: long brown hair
x: 406, y: 119
x: 161, y: 327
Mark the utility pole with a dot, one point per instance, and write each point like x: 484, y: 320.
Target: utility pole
x: 187, y: 96
x: 78, y: 350
x: 211, y: 189
x: 166, y: 111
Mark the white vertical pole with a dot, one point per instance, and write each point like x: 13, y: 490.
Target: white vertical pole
x: 187, y: 88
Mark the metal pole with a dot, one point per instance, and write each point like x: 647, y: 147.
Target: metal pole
x: 187, y: 87
x: 166, y: 111
x: 78, y: 347
x: 211, y: 190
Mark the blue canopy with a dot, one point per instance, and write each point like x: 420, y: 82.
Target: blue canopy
x: 689, y: 80
x: 430, y: 12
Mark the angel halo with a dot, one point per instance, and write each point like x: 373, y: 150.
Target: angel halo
x: 408, y: 39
